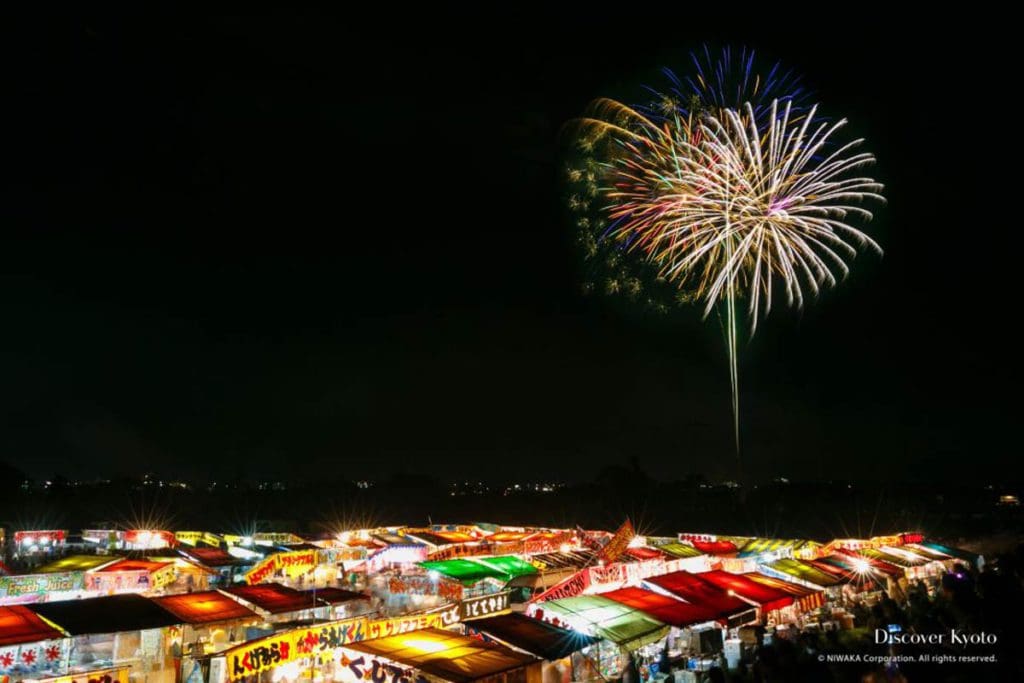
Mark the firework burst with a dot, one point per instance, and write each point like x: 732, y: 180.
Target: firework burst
x: 731, y: 204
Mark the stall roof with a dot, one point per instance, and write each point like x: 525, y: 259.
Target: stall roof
x: 532, y: 635
x: 678, y: 549
x: 472, y: 569
x: 439, y: 538
x: 804, y: 572
x: 614, y: 621
x: 845, y: 574
x: 203, y: 607
x: 719, y: 547
x: 643, y: 553
x: 696, y: 590
x: 767, y: 597
x: 335, y: 596
x: 110, y: 614
x: 510, y: 564
x: 886, y: 568
x: 794, y: 589
x: 572, y: 559
x: 663, y: 608
x: 507, y: 536
x: 210, y: 557
x: 292, y: 547
x: 900, y: 560
x: 133, y: 565
x: 861, y: 568
x: 958, y: 553
x: 446, y: 655
x: 756, y: 546
x: 929, y: 553
x: 76, y: 563
x: 18, y: 624
x: 464, y: 570
x: 274, y: 598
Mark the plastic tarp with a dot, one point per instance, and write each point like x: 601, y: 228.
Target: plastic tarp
x: 596, y: 615
x: 274, y: 598
x: 204, y: 607
x: 697, y: 591
x: 19, y: 624
x: 446, y: 655
x: 682, y: 550
x: 766, y: 597
x: 662, y: 607
x: 111, y: 614
x: 533, y: 635
x: 805, y: 572
x: 471, y: 570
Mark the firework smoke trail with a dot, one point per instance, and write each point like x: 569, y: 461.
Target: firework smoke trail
x: 730, y: 204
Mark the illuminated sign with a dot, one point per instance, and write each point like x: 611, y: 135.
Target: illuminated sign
x: 146, y: 538
x: 39, y: 537
x: 619, y: 543
x: 357, y: 667
x: 381, y: 628
x: 569, y: 588
x: 58, y: 582
x: 318, y: 641
x: 911, y: 538
x: 484, y: 606
x: 698, y: 538
x: 424, y: 585
x: 292, y: 564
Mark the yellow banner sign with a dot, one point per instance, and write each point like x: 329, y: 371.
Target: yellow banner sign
x: 381, y: 628
x: 292, y: 564
x: 319, y: 640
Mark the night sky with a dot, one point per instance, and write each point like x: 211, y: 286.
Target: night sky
x: 269, y: 245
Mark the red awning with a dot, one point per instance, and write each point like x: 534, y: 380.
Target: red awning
x: 21, y: 625
x: 204, y: 607
x: 715, y: 547
x: 643, y: 553
x: 697, y: 591
x: 767, y: 597
x: 662, y: 607
x: 275, y: 598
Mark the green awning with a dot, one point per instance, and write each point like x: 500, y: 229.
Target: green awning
x: 593, y: 615
x: 473, y: 569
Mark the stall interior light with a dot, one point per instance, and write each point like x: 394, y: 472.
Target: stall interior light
x: 424, y: 644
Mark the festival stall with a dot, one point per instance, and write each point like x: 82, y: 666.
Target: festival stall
x: 694, y: 589
x: 125, y: 630
x: 29, y: 646
x: 436, y: 655
x: 130, y: 576
x: 565, y: 653
x: 626, y: 629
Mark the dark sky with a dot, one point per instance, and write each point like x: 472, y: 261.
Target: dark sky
x: 279, y: 244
